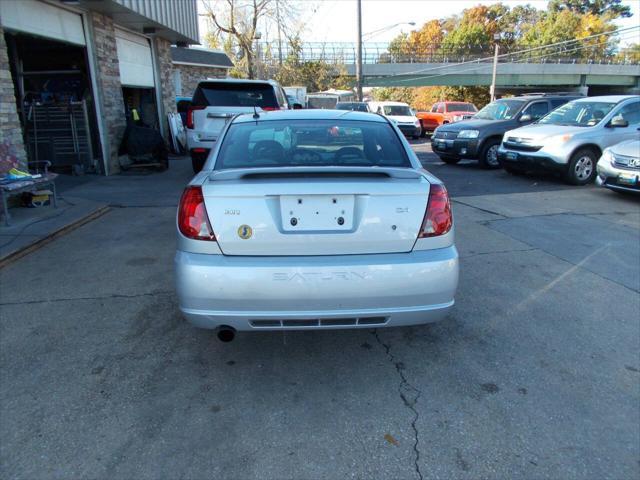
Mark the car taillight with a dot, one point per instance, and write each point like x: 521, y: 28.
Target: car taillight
x: 437, y: 219
x: 269, y: 109
x: 193, y: 221
x: 190, y: 115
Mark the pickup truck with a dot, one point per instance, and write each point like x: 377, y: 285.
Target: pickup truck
x: 215, y: 102
x: 445, y: 112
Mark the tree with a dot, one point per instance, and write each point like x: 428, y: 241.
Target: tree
x: 606, y: 8
x: 398, y: 47
x: 630, y: 54
x: 566, y: 25
x: 238, y: 20
x: 394, y: 94
x: 550, y: 29
x: 425, y: 41
x: 316, y: 75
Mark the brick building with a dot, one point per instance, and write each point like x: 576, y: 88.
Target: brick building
x: 73, y: 71
x: 190, y: 65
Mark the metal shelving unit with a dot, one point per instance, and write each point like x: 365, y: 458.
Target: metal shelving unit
x: 59, y: 132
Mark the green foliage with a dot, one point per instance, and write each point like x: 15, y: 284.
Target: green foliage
x: 519, y: 27
x: 630, y: 54
x: 394, y: 94
x: 316, y: 75
x: 609, y: 8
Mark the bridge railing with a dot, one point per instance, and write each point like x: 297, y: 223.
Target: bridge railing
x: 373, y: 53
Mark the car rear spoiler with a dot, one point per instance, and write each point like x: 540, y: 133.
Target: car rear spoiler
x: 313, y: 172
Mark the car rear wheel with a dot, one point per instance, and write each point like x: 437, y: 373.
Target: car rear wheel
x: 582, y: 167
x: 489, y: 154
x: 197, y: 162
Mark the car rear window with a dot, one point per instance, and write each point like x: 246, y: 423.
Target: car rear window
x: 311, y: 143
x: 235, y: 95
x: 461, y: 107
x: 353, y: 106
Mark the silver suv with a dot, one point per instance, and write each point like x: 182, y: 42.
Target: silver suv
x: 570, y: 140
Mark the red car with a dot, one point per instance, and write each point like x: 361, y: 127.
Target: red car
x: 445, y: 112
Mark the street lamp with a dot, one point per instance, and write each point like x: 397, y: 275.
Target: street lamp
x: 359, y: 52
x: 373, y: 33
x: 496, y: 37
x: 359, y: 45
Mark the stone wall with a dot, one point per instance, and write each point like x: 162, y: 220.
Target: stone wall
x: 168, y: 92
x: 191, y: 75
x: 109, y: 88
x: 12, y: 152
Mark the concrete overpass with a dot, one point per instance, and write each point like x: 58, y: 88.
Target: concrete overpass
x: 619, y: 77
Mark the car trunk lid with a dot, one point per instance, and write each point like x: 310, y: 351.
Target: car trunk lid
x: 315, y: 211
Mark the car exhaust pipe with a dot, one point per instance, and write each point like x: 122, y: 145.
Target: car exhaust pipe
x: 226, y: 334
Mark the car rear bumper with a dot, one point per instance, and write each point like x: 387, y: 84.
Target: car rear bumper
x: 196, y: 140
x: 324, y: 292
x: 410, y: 130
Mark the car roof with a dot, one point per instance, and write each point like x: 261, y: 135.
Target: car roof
x: 607, y: 98
x: 388, y: 103
x: 528, y: 98
x: 236, y: 80
x: 310, y: 114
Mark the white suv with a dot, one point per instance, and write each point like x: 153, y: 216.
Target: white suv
x: 216, y: 101
x: 570, y: 139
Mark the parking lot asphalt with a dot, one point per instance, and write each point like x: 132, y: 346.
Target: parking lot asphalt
x: 536, y: 374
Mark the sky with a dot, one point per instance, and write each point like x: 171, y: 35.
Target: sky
x: 335, y: 20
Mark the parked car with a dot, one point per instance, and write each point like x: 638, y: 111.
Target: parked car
x: 570, y: 140
x: 401, y: 114
x: 329, y: 98
x: 216, y: 101
x: 299, y: 94
x: 445, y: 112
x: 619, y: 167
x: 293, y: 103
x: 479, y: 137
x: 314, y: 219
x: 353, y: 106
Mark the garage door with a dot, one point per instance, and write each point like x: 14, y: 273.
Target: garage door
x: 42, y: 19
x: 134, y: 57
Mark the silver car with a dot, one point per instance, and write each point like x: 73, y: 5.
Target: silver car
x: 619, y: 167
x: 314, y: 219
x: 570, y: 139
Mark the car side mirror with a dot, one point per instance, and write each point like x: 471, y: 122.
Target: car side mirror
x: 525, y: 118
x: 618, y: 122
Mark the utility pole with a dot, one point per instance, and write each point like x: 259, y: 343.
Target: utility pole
x: 496, y: 37
x: 359, y: 53
x: 279, y: 33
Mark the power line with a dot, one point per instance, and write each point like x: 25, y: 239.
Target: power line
x: 484, y: 59
x: 478, y: 67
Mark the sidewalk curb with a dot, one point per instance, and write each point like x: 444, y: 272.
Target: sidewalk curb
x: 13, y: 256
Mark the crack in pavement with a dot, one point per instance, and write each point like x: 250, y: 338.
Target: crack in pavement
x: 405, y: 389
x: 103, y: 297
x: 455, y: 200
